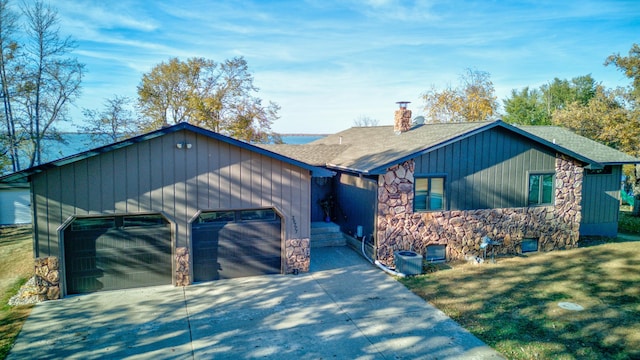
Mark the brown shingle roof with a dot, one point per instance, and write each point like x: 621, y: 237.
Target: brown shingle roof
x: 317, y: 155
x: 373, y: 149
x: 591, y: 149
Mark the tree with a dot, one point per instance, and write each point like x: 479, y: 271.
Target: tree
x: 251, y: 120
x: 50, y: 80
x: 602, y: 119
x: 473, y: 100
x: 8, y: 52
x: 4, y: 151
x: 559, y: 93
x: 537, y: 106
x: 115, y: 122
x: 478, y: 101
x: 630, y: 66
x: 365, y: 121
x: 526, y: 108
x: 217, y: 96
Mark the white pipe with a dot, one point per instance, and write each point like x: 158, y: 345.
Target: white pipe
x: 379, y: 264
x: 363, y: 252
x: 389, y: 271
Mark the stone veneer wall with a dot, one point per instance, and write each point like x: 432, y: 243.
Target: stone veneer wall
x: 297, y: 252
x: 399, y: 228
x: 182, y: 267
x: 47, y: 278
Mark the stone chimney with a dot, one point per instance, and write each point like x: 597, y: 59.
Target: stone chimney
x: 402, y: 120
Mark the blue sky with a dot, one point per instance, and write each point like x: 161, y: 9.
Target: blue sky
x: 329, y: 62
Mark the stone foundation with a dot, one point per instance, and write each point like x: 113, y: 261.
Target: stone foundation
x: 47, y: 278
x: 297, y: 252
x: 399, y: 228
x: 182, y: 267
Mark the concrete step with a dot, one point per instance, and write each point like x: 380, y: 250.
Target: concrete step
x: 324, y: 234
x: 326, y: 242
x: 337, y: 235
x: 324, y: 227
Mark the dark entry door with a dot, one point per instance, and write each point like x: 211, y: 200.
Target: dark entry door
x: 231, y: 244
x: 117, y: 252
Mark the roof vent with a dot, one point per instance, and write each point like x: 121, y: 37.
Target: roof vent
x: 402, y: 121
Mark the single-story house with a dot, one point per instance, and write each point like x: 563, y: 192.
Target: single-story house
x: 183, y: 204
x: 438, y: 189
x: 174, y: 206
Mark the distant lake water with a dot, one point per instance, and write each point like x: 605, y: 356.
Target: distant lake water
x: 300, y: 139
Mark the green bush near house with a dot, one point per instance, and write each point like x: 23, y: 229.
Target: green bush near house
x: 628, y: 223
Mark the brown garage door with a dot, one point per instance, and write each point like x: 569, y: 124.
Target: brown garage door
x: 237, y: 243
x: 117, y: 252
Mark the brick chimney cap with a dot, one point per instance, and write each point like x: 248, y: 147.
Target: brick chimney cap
x: 403, y: 104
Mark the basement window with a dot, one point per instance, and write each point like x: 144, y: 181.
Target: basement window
x: 436, y: 253
x: 529, y: 245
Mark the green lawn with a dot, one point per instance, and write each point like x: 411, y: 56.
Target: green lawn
x: 16, y: 267
x: 513, y: 305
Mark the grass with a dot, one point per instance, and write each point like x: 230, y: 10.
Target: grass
x: 16, y: 267
x: 513, y: 305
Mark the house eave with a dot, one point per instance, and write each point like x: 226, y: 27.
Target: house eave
x: 27, y: 173
x: 349, y: 169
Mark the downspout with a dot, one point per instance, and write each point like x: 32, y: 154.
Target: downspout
x: 379, y: 264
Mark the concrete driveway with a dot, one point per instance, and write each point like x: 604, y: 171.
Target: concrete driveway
x: 345, y: 308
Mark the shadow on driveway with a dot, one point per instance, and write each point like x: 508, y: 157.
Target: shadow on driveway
x: 345, y: 308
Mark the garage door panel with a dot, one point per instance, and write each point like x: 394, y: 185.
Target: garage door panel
x: 239, y: 248
x: 248, y: 266
x: 205, y: 254
x: 117, y: 258
x: 249, y: 247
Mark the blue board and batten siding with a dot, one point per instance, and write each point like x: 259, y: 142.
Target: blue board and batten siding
x: 601, y: 203
x: 358, y: 199
x: 155, y: 176
x: 488, y: 170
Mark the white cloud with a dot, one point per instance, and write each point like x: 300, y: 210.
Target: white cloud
x: 327, y: 62
x: 94, y: 16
